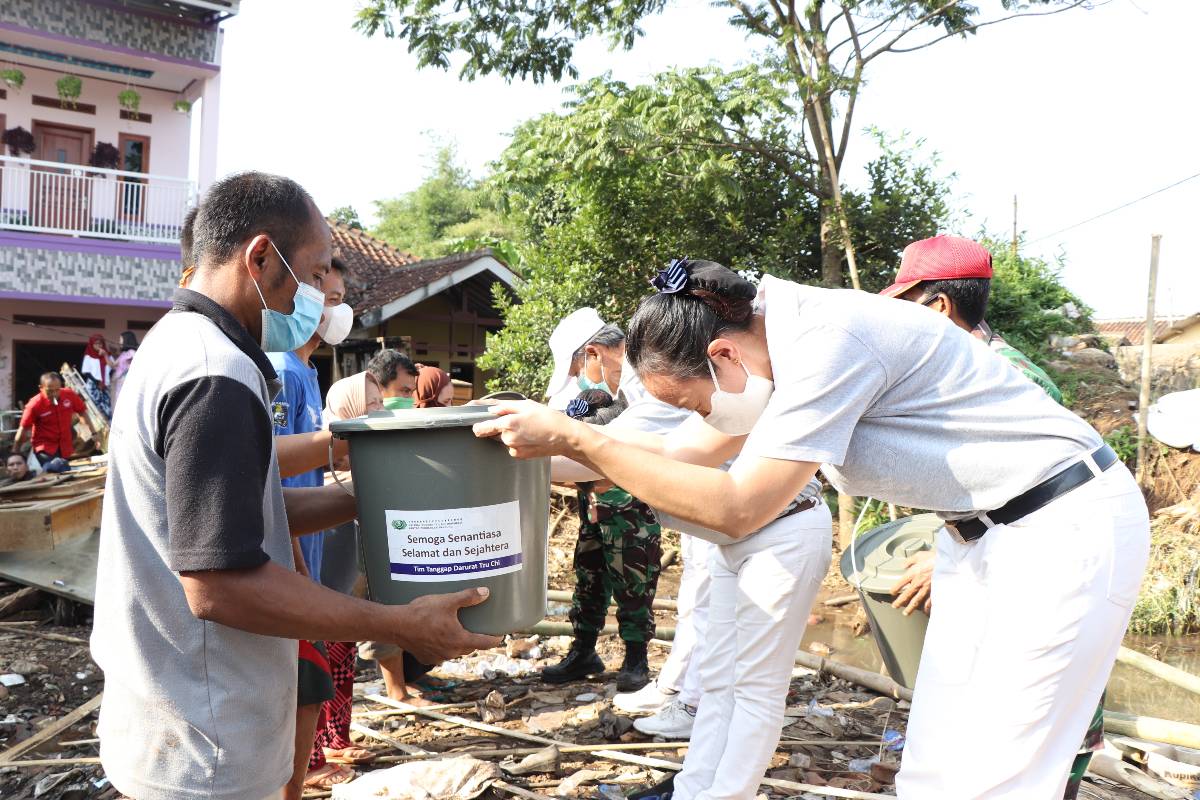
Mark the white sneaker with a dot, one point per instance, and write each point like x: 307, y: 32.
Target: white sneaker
x: 673, y: 722
x: 648, y: 700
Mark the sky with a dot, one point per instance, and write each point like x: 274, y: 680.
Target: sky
x: 1075, y: 114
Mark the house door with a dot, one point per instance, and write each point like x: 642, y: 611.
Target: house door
x: 135, y: 157
x: 60, y: 198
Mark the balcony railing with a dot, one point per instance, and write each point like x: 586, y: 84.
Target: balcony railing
x: 50, y: 197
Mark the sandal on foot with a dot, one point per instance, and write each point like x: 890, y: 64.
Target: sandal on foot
x: 349, y: 755
x: 328, y: 776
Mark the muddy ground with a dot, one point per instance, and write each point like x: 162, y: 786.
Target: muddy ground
x: 834, y: 728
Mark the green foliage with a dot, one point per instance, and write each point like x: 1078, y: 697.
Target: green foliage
x: 14, y: 78
x: 182, y: 106
x: 1123, y: 441
x: 1026, y: 302
x: 628, y: 177
x: 448, y: 206
x: 347, y: 216
x: 130, y: 100
x: 69, y: 88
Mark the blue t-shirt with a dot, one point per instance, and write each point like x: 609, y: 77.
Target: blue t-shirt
x: 297, y: 409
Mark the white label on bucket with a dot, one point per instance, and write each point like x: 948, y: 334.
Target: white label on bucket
x: 455, y: 543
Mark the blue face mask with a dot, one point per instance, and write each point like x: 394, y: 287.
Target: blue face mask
x: 282, y: 333
x: 584, y: 384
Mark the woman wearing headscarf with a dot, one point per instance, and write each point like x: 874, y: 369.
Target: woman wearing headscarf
x: 434, y: 388
x: 96, y: 369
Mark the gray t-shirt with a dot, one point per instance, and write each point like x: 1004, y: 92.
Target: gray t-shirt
x: 899, y: 404
x: 192, y: 709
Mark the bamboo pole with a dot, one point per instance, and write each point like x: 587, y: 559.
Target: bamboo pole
x: 1147, y: 346
x: 560, y: 596
x: 871, y: 680
x: 1154, y: 729
x: 1173, y: 675
x: 548, y: 628
x: 50, y: 731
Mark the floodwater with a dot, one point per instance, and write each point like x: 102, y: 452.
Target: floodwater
x: 1129, y: 690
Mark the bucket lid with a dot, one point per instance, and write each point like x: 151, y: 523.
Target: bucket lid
x: 881, y: 553
x: 414, y: 419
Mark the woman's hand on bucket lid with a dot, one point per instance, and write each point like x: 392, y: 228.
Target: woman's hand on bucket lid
x: 530, y: 430
x: 432, y: 632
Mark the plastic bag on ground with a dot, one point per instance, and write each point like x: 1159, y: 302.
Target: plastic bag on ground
x: 447, y: 779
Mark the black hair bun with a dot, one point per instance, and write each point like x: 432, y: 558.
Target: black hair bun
x: 713, y: 277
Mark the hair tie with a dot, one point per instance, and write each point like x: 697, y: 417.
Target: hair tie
x: 674, y: 278
x: 579, y: 408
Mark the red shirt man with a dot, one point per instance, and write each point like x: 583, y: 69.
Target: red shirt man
x: 49, y: 417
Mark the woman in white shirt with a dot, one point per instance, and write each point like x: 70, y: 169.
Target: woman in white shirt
x: 1048, y: 533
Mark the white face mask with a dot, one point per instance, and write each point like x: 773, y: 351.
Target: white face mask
x: 336, y: 323
x: 734, y: 413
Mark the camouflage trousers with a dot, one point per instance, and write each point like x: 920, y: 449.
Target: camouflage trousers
x: 618, y: 557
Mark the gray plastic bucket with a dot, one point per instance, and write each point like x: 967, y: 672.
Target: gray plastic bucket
x: 440, y: 511
x: 881, y: 554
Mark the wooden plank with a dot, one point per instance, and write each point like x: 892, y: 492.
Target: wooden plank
x: 20, y: 600
x: 5, y: 628
x: 48, y: 524
x: 50, y: 731
x: 75, y: 518
x: 68, y: 571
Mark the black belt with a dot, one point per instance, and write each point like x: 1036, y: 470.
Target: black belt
x: 1074, y: 476
x: 796, y: 508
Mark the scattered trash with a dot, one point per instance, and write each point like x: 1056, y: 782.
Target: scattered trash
x: 487, y: 666
x: 557, y: 609
x: 524, y: 648
x: 820, y: 649
x: 815, y: 709
x: 492, y: 708
x: 51, y: 782
x: 27, y: 668
x: 893, y: 740
x: 570, y: 785
x: 12, y: 679
x: 445, y: 779
x: 800, y: 761
x: 587, y: 697
x: 609, y: 791
x: 613, y: 727
x: 545, y: 760
x: 863, y: 764
x: 884, y: 773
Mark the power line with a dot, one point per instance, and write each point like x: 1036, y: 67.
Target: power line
x: 1118, y: 208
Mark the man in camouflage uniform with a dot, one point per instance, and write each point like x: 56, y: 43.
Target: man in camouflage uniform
x: 617, y: 557
x: 958, y: 287
x: 618, y: 552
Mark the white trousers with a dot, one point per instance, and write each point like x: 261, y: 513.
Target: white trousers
x: 762, y: 591
x: 681, y: 671
x: 1024, y: 632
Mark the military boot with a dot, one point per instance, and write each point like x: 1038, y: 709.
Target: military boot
x: 635, y: 671
x: 580, y: 662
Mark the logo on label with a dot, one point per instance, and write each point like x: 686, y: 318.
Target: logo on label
x: 399, y: 524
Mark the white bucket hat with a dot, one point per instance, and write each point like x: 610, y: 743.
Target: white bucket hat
x: 575, y: 330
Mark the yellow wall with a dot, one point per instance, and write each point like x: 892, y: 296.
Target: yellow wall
x: 1190, y: 335
x: 434, y: 337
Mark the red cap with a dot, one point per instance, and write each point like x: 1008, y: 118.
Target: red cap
x: 942, y: 258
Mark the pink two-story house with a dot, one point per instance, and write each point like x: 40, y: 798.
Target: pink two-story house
x: 117, y: 102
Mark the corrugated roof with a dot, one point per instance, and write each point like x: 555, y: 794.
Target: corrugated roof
x: 370, y: 260
x: 401, y: 282
x: 1134, y: 329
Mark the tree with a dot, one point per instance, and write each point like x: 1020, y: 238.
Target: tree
x: 817, y: 51
x: 346, y: 215
x: 447, y: 208
x: 600, y: 200
x: 1027, y: 302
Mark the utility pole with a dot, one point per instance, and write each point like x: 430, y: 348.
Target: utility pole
x: 1014, y: 239
x: 1147, y: 345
